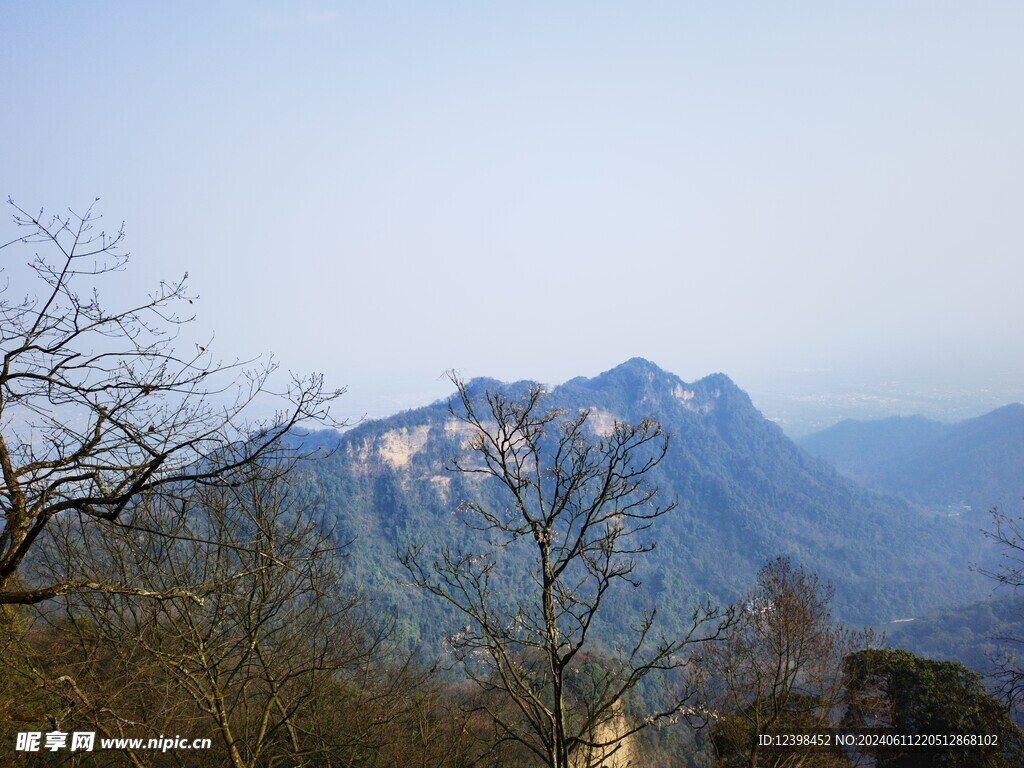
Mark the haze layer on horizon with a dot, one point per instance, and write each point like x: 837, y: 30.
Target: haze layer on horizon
x: 386, y: 191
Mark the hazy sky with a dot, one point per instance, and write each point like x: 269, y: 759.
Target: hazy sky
x: 382, y: 191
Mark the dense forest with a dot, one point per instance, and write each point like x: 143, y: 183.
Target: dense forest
x: 624, y: 570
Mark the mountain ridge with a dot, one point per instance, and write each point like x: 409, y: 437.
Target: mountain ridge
x: 972, y: 463
x: 746, y: 493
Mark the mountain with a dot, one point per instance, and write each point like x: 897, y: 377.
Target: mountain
x: 977, y: 463
x: 853, y: 447
x: 746, y: 493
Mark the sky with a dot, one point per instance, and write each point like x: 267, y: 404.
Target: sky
x: 384, y: 191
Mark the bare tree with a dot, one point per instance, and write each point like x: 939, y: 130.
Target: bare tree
x: 97, y: 407
x: 778, y: 673
x: 1008, y: 532
x: 264, y: 645
x: 575, y: 503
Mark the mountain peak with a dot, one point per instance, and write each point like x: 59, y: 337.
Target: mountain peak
x: 639, y: 365
x: 720, y: 381
x: 638, y: 388
x: 643, y: 369
x: 638, y: 370
x: 476, y: 387
x: 1008, y: 411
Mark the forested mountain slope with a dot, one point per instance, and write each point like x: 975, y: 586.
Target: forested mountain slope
x: 978, y: 635
x: 746, y: 493
x: 977, y: 462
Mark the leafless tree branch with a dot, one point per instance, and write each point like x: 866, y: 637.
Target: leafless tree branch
x: 98, y: 407
x: 577, y: 502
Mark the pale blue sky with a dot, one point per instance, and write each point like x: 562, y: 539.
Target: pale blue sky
x: 382, y: 191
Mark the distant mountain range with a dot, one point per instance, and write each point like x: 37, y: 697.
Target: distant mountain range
x: 978, y: 462
x: 746, y: 493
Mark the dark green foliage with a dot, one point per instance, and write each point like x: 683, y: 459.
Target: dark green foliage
x: 897, y: 693
x: 976, y: 635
